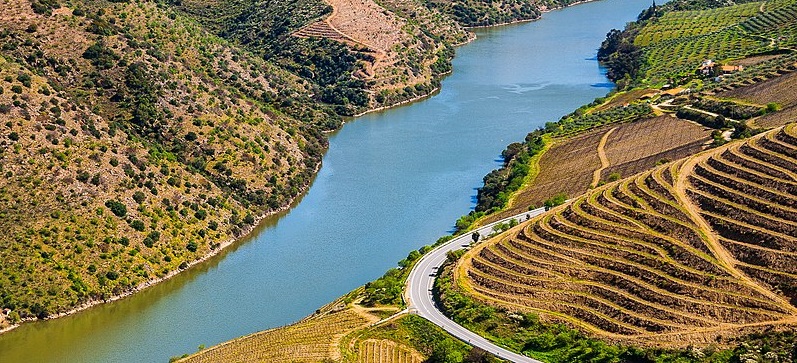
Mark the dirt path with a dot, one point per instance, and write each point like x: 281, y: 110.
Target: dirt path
x: 725, y: 259
x: 596, y: 175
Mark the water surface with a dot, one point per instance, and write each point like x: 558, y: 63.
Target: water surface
x: 390, y: 183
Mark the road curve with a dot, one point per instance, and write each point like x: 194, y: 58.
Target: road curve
x: 418, y: 293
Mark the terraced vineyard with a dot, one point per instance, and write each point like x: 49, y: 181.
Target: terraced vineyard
x: 683, y: 254
x: 679, y: 24
x: 312, y: 340
x: 675, y: 44
x: 778, y: 24
x: 570, y: 164
x: 386, y: 351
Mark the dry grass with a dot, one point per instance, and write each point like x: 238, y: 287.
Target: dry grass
x: 568, y: 166
x: 311, y: 340
x: 679, y: 255
x: 781, y: 90
x: 751, y: 61
x: 565, y: 168
x: 777, y: 119
x: 386, y: 351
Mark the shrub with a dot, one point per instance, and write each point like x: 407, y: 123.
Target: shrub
x: 112, y: 275
x: 554, y: 201
x: 83, y: 176
x: 191, y: 246
x: 118, y: 208
x: 25, y: 79
x: 138, y: 225
x: 138, y: 196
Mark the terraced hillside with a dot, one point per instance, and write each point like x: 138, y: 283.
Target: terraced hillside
x: 313, y: 340
x: 685, y: 253
x: 386, y: 351
x: 342, y: 331
x: 669, y: 43
x: 572, y: 164
x: 399, y: 53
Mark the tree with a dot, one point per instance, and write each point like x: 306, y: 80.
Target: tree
x: 556, y: 200
x: 445, y: 351
x: 118, y: 208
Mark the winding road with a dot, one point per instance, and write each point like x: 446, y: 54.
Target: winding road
x: 420, y: 301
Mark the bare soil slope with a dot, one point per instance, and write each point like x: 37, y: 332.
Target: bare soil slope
x: 569, y: 165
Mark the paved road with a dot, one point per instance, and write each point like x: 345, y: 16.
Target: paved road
x: 419, y: 295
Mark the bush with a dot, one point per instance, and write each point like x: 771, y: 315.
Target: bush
x: 191, y: 246
x: 138, y: 196
x: 25, y: 79
x: 118, y: 208
x: 554, y: 201
x: 138, y: 225
x: 112, y: 275
x: 101, y: 56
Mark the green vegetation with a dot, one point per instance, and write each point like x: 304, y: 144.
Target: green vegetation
x: 144, y: 148
x: 499, y: 184
x: 556, y: 200
x: 669, y: 43
x: 554, y: 343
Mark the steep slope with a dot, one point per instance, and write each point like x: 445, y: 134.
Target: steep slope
x: 134, y: 143
x: 682, y: 254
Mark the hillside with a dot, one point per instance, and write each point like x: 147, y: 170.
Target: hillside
x: 689, y: 253
x: 668, y: 44
x: 134, y: 144
x: 141, y: 137
x: 658, y: 61
x: 344, y: 331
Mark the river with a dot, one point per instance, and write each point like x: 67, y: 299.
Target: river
x: 391, y: 182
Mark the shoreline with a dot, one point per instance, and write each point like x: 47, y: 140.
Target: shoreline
x: 249, y: 229
x: 149, y: 283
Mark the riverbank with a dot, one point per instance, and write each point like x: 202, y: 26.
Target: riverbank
x: 247, y: 231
